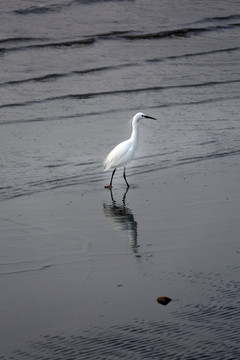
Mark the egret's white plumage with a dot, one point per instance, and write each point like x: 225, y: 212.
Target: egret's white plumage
x: 123, y: 153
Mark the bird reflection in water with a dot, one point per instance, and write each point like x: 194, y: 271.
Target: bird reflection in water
x: 123, y: 219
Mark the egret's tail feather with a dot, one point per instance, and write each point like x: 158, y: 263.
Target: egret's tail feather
x: 106, y: 165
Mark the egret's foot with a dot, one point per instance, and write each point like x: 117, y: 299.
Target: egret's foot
x: 108, y: 186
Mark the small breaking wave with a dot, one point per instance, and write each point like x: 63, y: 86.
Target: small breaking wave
x: 219, y: 19
x: 124, y: 91
x: 44, y: 9
x: 70, y: 43
x: 56, y: 76
x: 182, y: 32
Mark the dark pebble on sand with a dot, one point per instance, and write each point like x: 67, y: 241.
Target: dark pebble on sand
x: 164, y: 300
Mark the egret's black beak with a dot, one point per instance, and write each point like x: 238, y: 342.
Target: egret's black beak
x: 149, y: 117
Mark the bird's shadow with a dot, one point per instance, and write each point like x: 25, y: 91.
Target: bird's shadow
x: 123, y: 219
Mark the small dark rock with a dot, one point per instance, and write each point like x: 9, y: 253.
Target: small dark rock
x: 164, y: 300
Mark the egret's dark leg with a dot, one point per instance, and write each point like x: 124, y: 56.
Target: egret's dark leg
x: 124, y: 175
x: 112, y: 176
x: 110, y: 186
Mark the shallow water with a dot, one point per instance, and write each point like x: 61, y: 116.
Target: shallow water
x: 73, y: 73
x: 80, y: 274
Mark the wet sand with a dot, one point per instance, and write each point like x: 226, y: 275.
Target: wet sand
x: 81, y: 270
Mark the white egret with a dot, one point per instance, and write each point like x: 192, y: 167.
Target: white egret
x: 123, y: 153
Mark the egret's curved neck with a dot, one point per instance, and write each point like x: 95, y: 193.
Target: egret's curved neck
x: 135, y: 133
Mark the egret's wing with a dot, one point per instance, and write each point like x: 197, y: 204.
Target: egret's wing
x: 120, y: 155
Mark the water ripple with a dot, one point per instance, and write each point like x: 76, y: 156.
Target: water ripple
x: 123, y: 91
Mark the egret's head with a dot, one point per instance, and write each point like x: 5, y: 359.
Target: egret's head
x: 141, y: 115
